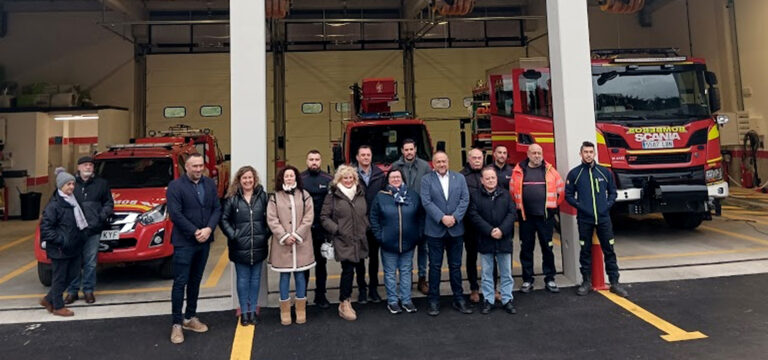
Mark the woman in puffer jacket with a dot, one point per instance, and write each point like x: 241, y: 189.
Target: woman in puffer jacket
x: 397, y: 223
x: 244, y: 223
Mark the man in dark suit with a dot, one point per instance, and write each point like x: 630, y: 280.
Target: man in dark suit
x: 194, y: 208
x: 445, y: 198
x: 373, y: 180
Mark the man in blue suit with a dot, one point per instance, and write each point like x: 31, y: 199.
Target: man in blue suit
x: 445, y: 198
x: 194, y: 208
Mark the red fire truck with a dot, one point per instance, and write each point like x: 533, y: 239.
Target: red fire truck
x: 656, y: 128
x: 374, y: 124
x: 481, y: 117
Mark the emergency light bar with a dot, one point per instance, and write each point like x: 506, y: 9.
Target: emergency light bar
x: 135, y: 146
x: 649, y: 59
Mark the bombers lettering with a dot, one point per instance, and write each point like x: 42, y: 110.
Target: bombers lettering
x: 657, y: 129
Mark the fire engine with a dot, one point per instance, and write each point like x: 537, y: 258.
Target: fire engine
x: 374, y: 124
x: 480, y: 115
x: 139, y: 231
x: 656, y: 128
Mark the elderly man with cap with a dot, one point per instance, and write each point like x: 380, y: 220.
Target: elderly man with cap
x: 95, y: 198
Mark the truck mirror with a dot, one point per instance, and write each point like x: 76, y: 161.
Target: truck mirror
x: 711, y: 78
x: 338, y: 156
x: 227, y: 157
x: 714, y: 99
x: 441, y: 146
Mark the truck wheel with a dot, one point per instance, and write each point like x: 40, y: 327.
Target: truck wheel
x: 44, y: 273
x: 686, y: 221
x: 165, y: 270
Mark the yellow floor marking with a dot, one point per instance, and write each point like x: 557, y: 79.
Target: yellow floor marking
x: 243, y: 342
x: 740, y: 236
x: 218, y: 270
x: 749, y: 212
x: 16, y: 242
x: 731, y: 207
x: 745, y: 219
x: 18, y: 271
x: 672, y: 332
x: 696, y: 253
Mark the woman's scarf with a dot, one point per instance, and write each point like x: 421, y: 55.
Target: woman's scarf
x: 289, y: 188
x: 349, y: 192
x: 399, y: 193
x: 79, y: 216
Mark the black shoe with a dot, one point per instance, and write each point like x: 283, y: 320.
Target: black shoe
x: 509, y: 308
x: 363, y: 298
x: 409, y: 307
x: 527, y: 287
x: 374, y: 297
x: 487, y: 307
x: 584, y: 288
x: 433, y: 309
x: 254, y: 318
x: 551, y: 286
x: 322, y: 302
x: 245, y: 319
x: 394, y: 308
x: 461, y: 307
x: 618, y: 289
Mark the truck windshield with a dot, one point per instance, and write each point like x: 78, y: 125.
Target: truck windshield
x: 131, y: 173
x: 385, y: 141
x: 650, y: 95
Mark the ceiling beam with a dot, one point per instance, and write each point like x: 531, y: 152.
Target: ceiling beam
x: 133, y: 10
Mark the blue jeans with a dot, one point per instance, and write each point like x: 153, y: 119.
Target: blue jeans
x: 453, y: 247
x: 392, y: 262
x: 505, y: 276
x: 248, y: 283
x: 89, y: 260
x: 188, y: 266
x: 423, y: 254
x: 285, y: 285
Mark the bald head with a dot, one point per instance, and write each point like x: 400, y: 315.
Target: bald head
x: 475, y: 159
x: 535, y: 155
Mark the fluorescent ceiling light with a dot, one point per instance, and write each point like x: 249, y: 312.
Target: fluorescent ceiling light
x: 76, y: 117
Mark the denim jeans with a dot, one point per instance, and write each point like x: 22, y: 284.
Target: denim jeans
x: 392, y: 262
x: 248, y: 283
x: 285, y: 285
x: 188, y: 266
x: 422, y: 256
x: 504, y: 261
x: 452, y: 246
x: 89, y: 260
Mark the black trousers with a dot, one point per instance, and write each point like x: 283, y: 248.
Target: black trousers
x: 321, y: 269
x: 470, y: 247
x: 529, y: 228
x: 348, y: 270
x: 605, y: 235
x: 373, y: 262
x: 64, y: 271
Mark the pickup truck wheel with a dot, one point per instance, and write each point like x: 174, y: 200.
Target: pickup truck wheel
x: 685, y: 221
x: 44, y: 273
x: 165, y: 270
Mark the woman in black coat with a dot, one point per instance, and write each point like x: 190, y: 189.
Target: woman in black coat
x: 62, y: 237
x: 244, y: 223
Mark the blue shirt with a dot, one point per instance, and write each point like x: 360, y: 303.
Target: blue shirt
x: 366, y: 177
x: 200, y: 189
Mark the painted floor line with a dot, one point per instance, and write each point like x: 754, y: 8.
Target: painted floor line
x: 733, y: 234
x: 671, y: 332
x: 694, y: 253
x: 242, y: 344
x: 18, y: 271
x: 762, y: 222
x: 218, y: 270
x: 16, y: 242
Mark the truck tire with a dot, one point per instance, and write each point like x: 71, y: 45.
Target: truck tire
x: 165, y: 270
x: 44, y: 273
x: 685, y: 221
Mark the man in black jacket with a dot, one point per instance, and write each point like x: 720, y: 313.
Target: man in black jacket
x: 316, y: 181
x: 503, y: 170
x: 590, y: 189
x: 472, y: 173
x: 95, y: 198
x: 373, y: 180
x: 194, y: 208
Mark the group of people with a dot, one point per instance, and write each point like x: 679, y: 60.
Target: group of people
x: 360, y: 213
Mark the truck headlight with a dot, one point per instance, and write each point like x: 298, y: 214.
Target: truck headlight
x: 713, y: 175
x: 156, y: 215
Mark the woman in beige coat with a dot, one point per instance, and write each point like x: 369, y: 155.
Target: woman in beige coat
x: 289, y: 216
x: 344, y: 218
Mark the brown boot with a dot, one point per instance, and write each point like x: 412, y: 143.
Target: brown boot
x: 346, y: 311
x: 423, y: 286
x: 63, y: 312
x: 46, y: 304
x: 301, y: 311
x: 285, y: 312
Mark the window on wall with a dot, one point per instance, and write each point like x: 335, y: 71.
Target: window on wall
x: 440, y: 103
x: 210, y: 110
x: 342, y: 107
x: 175, y: 112
x: 311, y: 108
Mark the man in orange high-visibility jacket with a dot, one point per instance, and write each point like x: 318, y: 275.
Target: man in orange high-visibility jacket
x: 538, y: 190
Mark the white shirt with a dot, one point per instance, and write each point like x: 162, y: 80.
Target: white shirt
x: 444, y: 182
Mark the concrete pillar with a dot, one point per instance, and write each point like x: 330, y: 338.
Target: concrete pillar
x: 248, y: 87
x: 574, y: 117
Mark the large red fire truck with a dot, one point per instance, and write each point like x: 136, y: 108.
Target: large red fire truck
x: 656, y: 128
x: 374, y: 124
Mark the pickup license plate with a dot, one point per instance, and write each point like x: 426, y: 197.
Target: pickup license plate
x: 110, y: 235
x: 658, y: 144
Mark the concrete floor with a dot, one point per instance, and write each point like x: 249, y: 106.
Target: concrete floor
x: 649, y: 250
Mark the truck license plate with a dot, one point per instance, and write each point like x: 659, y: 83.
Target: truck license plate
x: 658, y: 144
x: 110, y: 235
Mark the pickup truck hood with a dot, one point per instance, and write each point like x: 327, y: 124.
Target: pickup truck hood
x: 138, y: 200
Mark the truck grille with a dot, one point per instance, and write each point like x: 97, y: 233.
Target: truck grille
x: 123, y: 221
x: 658, y: 159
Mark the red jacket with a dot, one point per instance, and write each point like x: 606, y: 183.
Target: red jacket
x: 554, y: 184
